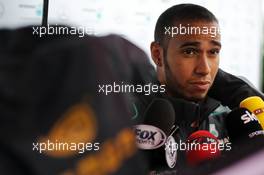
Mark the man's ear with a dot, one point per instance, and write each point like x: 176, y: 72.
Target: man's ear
x: 156, y: 53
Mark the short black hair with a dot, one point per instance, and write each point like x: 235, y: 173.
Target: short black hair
x: 178, y: 13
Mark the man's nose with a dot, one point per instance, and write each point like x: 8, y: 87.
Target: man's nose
x: 203, y: 65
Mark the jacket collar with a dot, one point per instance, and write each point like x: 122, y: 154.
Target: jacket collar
x: 189, y: 112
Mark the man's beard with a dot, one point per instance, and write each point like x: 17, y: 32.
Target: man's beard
x: 173, y: 87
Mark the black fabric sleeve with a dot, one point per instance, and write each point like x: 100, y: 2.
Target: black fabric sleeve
x: 231, y: 90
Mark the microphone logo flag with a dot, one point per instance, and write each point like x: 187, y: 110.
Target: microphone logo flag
x: 149, y: 137
x: 247, y: 117
x: 171, y: 152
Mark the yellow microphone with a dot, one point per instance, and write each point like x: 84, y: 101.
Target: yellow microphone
x: 255, y: 105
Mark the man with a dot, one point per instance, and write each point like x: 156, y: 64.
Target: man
x: 189, y: 21
x: 187, y: 60
x: 187, y: 63
x: 186, y: 53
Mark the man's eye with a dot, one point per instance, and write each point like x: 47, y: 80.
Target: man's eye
x: 190, y: 51
x: 214, y: 52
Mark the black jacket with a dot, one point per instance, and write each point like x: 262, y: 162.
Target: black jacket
x: 231, y: 90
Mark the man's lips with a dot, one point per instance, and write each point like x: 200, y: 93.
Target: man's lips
x: 201, y: 85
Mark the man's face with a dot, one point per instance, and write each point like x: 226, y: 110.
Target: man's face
x: 191, y: 61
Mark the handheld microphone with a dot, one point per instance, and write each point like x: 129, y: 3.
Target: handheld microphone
x: 201, y: 147
x: 255, y: 105
x: 242, y: 125
x: 152, y: 134
x: 159, y: 119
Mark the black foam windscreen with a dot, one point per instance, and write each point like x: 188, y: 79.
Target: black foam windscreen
x: 241, y: 125
x: 160, y: 113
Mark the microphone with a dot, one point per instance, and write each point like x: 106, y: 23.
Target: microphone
x: 158, y: 122
x: 152, y: 134
x: 201, y: 147
x: 241, y: 125
x: 255, y: 105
